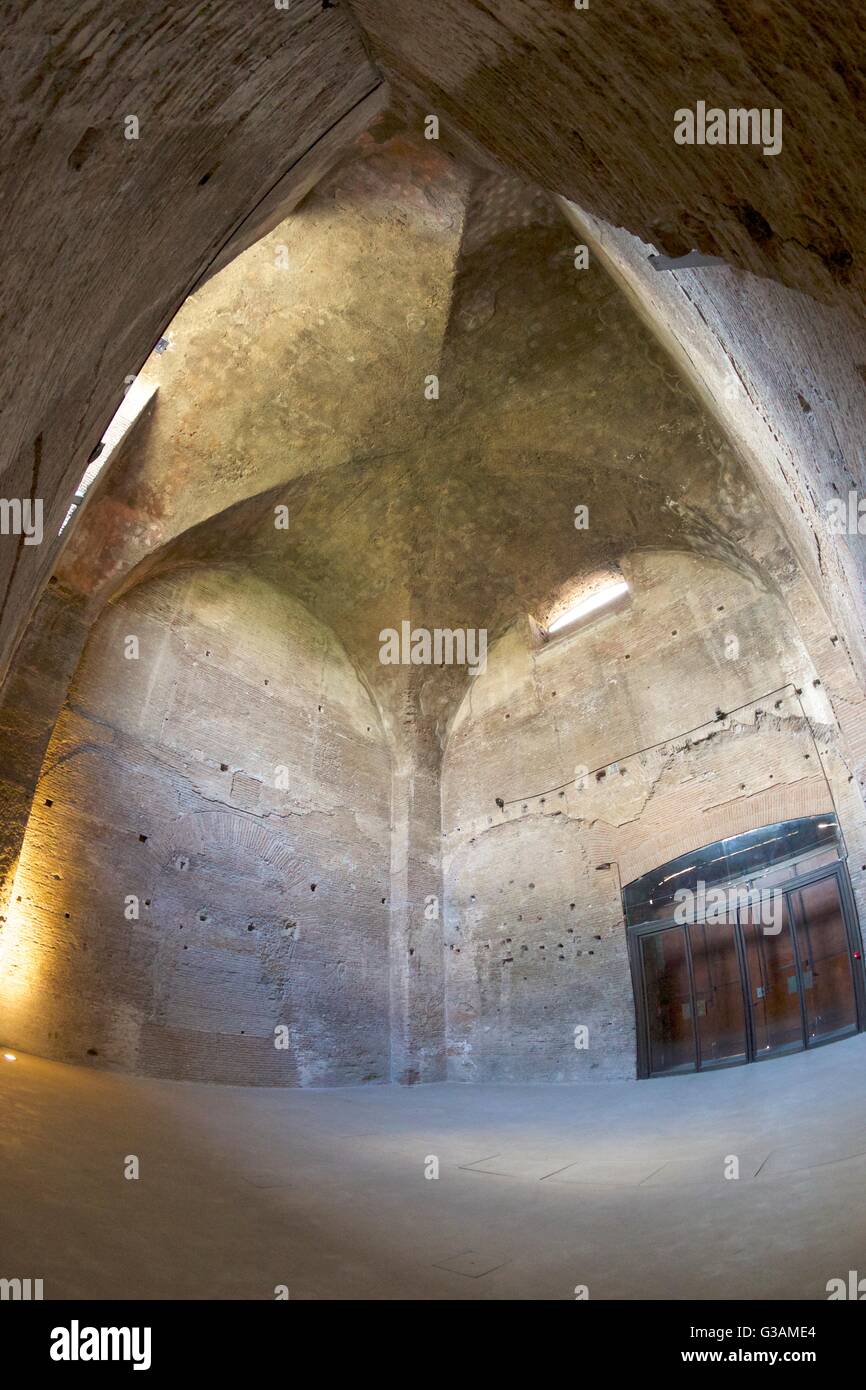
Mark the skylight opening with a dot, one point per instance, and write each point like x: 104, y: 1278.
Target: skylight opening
x: 139, y: 394
x: 600, y: 599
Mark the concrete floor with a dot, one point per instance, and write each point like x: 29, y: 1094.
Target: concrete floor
x: 617, y: 1186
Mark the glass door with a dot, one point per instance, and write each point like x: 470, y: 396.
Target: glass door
x: 667, y: 998
x: 829, y: 1001
x: 773, y: 981
x: 720, y: 1006
x: 772, y: 974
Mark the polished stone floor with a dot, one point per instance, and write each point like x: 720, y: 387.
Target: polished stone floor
x: 619, y: 1187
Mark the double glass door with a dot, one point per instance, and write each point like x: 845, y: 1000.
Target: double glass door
x: 738, y: 988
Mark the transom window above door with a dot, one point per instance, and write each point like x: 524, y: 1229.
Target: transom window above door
x: 767, y: 855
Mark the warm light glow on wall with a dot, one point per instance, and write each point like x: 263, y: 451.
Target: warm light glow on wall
x: 19, y: 958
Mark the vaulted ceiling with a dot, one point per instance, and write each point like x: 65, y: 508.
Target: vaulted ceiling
x: 300, y: 377
x: 240, y: 111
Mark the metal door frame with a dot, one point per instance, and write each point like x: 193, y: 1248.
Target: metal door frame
x: 635, y: 933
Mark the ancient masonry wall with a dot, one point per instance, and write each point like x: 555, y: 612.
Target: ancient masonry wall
x: 585, y: 742
x: 207, y: 858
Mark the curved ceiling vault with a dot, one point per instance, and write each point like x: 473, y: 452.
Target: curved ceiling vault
x: 296, y: 379
x: 240, y: 111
